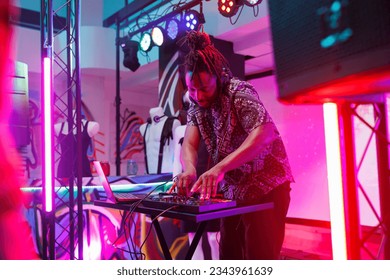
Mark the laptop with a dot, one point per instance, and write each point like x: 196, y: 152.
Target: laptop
x: 115, y: 197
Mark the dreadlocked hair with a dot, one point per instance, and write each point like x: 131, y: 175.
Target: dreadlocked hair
x: 203, y: 56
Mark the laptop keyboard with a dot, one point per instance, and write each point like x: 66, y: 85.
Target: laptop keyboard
x: 126, y: 195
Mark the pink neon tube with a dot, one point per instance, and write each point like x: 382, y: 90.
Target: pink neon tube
x: 335, y: 185
x: 47, y: 181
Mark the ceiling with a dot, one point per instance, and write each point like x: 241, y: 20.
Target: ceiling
x: 253, y: 40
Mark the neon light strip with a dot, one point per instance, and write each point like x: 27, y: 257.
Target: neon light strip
x: 47, y: 182
x: 387, y: 102
x: 335, y: 185
x: 125, y: 187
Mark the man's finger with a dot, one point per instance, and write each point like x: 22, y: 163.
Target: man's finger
x: 195, y: 187
x: 172, y: 187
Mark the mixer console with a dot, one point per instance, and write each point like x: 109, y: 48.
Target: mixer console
x: 187, y: 204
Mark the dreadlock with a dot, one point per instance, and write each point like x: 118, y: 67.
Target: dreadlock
x: 203, y: 56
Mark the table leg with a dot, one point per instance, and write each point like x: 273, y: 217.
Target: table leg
x: 161, y: 239
x: 195, y: 241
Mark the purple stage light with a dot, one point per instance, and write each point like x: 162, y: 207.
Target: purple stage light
x: 172, y: 28
x: 193, y: 19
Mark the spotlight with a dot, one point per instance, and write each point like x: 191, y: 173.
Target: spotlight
x: 146, y: 42
x: 172, y: 28
x: 130, y: 49
x: 157, y: 36
x: 229, y: 8
x: 252, y: 3
x: 192, y: 20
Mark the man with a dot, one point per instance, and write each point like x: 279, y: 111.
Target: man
x: 250, y: 164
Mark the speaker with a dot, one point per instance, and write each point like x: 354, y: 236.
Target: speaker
x: 330, y: 50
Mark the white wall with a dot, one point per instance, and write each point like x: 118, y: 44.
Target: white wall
x: 301, y: 127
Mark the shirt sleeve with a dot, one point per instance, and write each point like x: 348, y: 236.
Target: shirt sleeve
x: 251, y: 112
x: 191, y: 118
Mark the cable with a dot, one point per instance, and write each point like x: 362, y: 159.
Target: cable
x: 150, y: 228
x: 238, y: 16
x: 256, y: 10
x: 130, y: 249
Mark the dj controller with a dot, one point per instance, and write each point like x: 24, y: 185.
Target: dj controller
x: 186, y: 204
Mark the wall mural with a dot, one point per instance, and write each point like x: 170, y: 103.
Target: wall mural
x: 32, y: 151
x: 131, y: 140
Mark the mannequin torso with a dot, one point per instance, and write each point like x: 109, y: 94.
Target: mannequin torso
x: 152, y: 132
x: 92, y: 128
x: 68, y: 141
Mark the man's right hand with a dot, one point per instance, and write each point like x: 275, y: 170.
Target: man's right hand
x: 183, y: 183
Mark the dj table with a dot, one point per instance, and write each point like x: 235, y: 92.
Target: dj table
x: 200, y: 218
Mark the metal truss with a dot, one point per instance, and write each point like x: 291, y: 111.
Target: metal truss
x: 372, y: 117
x: 64, y: 236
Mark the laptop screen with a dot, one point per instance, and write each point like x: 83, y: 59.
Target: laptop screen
x: 103, y: 180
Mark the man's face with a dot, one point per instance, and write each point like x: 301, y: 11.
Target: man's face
x: 202, y: 88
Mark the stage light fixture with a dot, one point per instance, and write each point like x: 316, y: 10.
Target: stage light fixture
x: 130, y: 49
x: 252, y: 3
x: 146, y: 42
x: 172, y: 28
x: 229, y: 8
x: 157, y: 36
x: 192, y: 20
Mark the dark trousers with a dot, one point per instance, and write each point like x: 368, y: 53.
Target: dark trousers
x: 257, y: 235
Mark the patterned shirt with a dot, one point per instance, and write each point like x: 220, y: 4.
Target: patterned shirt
x: 225, y: 125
